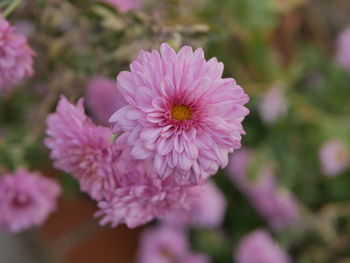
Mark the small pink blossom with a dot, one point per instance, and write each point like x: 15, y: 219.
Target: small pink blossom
x: 207, y: 210
x: 259, y: 247
x: 81, y: 148
x: 274, y: 203
x: 181, y: 114
x: 273, y: 104
x: 103, y: 99
x: 343, y: 49
x: 26, y: 200
x: 334, y: 157
x: 124, y: 5
x: 16, y: 57
x: 167, y: 245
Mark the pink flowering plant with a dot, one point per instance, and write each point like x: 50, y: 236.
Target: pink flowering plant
x: 178, y: 131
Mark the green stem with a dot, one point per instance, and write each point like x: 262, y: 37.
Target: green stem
x: 11, y: 7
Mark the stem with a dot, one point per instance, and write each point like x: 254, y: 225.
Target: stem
x: 11, y: 7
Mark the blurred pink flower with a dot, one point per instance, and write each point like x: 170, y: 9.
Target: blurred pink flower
x: 106, y: 171
x: 196, y: 258
x: 207, y: 210
x: 273, y: 104
x: 334, y: 157
x: 343, y: 49
x: 16, y: 57
x: 81, y: 148
x: 258, y: 247
x: 275, y: 204
x: 26, y: 200
x: 103, y: 99
x: 166, y: 245
x: 124, y: 5
x: 181, y: 115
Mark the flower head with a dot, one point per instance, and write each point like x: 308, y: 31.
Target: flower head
x: 16, y: 57
x: 207, y: 210
x: 273, y: 104
x: 103, y: 99
x: 124, y: 5
x: 343, y: 49
x: 81, y: 148
x: 26, y: 200
x: 137, y: 199
x: 334, y: 157
x: 181, y: 114
x: 258, y: 247
x: 166, y: 245
x: 274, y: 203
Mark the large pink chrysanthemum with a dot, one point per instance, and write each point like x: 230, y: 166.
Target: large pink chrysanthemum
x: 182, y: 115
x: 81, y: 148
x: 259, y: 247
x: 26, y: 200
x: 16, y: 57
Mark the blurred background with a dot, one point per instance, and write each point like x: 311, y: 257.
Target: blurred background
x: 292, y: 57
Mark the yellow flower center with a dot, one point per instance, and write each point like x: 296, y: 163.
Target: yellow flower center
x: 181, y: 113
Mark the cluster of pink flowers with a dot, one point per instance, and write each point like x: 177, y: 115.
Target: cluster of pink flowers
x: 105, y: 171
x: 167, y: 245
x: 180, y: 122
x: 275, y: 204
x: 26, y: 200
x: 124, y: 5
x: 259, y: 247
x: 334, y: 157
x: 16, y: 57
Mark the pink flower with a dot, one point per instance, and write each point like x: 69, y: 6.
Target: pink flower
x: 103, y: 99
x: 124, y: 5
x: 343, y: 49
x: 196, y: 258
x: 105, y: 170
x: 207, y: 210
x: 334, y: 157
x: 273, y: 104
x: 81, y: 148
x: 275, y: 204
x: 166, y: 245
x: 182, y: 115
x: 258, y: 247
x: 26, y: 200
x: 16, y: 57
x: 137, y: 199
